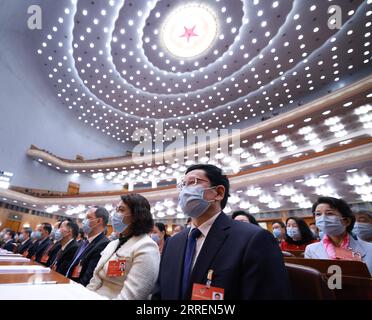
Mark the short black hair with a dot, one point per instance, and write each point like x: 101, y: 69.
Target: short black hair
x: 102, y: 213
x: 11, y: 232
x: 139, y: 206
x: 245, y: 214
x: 82, y: 234
x: 281, y: 223
x: 47, y: 227
x: 215, y: 176
x: 340, y: 205
x: 306, y: 234
x: 161, y: 227
x: 73, y: 227
x: 27, y: 230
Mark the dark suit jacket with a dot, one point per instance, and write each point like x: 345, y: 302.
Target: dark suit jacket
x: 64, y: 258
x: 89, y: 259
x: 245, y: 259
x: 32, y: 248
x: 41, y: 247
x: 23, y: 247
x: 53, y: 253
x: 9, y: 245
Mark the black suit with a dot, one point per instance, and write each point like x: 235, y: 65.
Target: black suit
x: 24, y: 247
x: 9, y: 245
x: 32, y: 248
x: 64, y: 258
x: 245, y: 259
x: 41, y: 247
x: 89, y: 259
x: 53, y: 253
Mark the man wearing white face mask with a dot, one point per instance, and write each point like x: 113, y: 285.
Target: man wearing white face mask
x: 334, y: 217
x: 238, y: 260
x: 363, y: 225
x: 87, y: 256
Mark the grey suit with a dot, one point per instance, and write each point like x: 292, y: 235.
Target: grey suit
x: 317, y: 251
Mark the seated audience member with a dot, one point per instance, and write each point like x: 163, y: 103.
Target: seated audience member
x: 87, y: 256
x: 32, y: 248
x: 159, y: 235
x: 334, y: 217
x: 241, y: 260
x: 8, y: 240
x: 81, y: 237
x: 315, y: 231
x: 279, y: 230
x: 363, y: 225
x: 65, y: 235
x: 129, y: 266
x: 51, y: 251
x: 177, y: 229
x: 25, y: 240
x: 298, y: 235
x: 42, y: 234
x: 245, y: 217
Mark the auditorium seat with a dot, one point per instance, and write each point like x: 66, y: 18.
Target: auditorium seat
x: 308, y: 283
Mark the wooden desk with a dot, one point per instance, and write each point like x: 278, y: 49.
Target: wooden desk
x: 30, y: 277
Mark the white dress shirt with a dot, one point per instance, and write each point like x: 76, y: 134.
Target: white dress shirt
x: 204, y: 229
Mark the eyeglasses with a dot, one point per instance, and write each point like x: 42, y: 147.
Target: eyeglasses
x: 192, y: 181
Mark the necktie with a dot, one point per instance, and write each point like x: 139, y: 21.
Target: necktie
x: 78, y: 254
x: 187, y: 263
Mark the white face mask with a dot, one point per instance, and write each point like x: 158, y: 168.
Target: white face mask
x: 330, y: 225
x: 294, y: 233
x: 192, y: 202
x: 363, y: 230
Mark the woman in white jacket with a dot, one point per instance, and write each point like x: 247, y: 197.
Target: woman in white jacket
x: 334, y: 217
x: 129, y: 266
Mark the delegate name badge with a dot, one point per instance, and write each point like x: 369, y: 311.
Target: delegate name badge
x: 76, y: 272
x: 116, y: 268
x: 44, y: 258
x: 344, y: 254
x: 204, y: 292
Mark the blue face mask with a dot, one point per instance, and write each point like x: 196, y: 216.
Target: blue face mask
x: 330, y: 225
x: 37, y: 235
x: 192, y: 202
x: 294, y: 233
x: 58, y: 236
x: 21, y: 237
x: 117, y: 222
x: 277, y: 232
x: 363, y: 230
x: 86, y: 226
x: 155, y: 237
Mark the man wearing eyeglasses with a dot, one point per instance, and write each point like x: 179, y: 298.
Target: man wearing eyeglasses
x: 239, y: 260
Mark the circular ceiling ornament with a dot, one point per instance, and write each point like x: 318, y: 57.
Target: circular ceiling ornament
x: 190, y: 30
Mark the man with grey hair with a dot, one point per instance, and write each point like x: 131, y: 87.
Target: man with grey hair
x: 87, y: 256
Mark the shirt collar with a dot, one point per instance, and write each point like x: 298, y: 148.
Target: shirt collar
x: 92, y: 238
x: 206, y: 226
x: 64, y: 247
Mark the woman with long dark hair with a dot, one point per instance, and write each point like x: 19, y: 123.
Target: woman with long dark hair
x: 298, y: 235
x: 129, y: 266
